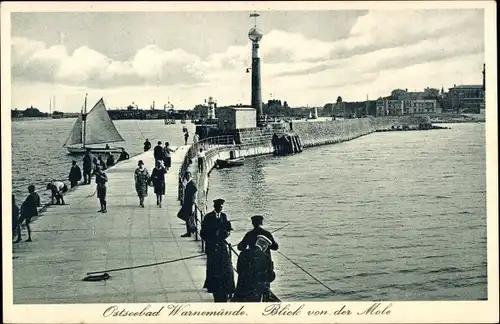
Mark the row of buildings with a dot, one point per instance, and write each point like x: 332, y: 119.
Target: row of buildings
x: 459, y: 99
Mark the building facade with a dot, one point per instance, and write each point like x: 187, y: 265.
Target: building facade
x: 231, y: 118
x: 388, y: 107
x: 466, y: 98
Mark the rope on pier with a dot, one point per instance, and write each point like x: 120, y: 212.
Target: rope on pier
x: 104, y: 273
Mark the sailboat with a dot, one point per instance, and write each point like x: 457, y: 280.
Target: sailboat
x: 92, y: 128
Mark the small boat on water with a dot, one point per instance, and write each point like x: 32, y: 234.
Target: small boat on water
x: 229, y: 163
x: 92, y: 128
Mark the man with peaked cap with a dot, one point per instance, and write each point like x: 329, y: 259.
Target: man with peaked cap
x: 215, y: 228
x: 255, y: 272
x: 251, y: 237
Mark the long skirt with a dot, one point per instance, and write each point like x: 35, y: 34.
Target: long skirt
x: 160, y: 188
x: 142, y: 189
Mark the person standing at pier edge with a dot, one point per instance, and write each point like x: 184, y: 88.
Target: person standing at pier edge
x: 147, y: 145
x: 102, y: 163
x: 215, y: 228
x: 250, y: 237
x: 167, y: 158
x: 75, y: 174
x: 123, y: 156
x: 15, y: 217
x: 110, y: 161
x: 95, y: 163
x: 158, y: 152
x: 255, y: 272
x: 100, y: 179
x: 87, y: 166
x: 186, y: 137
x: 57, y: 189
x: 29, y: 208
x: 186, y: 212
x: 201, y: 160
x: 141, y: 177
x: 158, y: 178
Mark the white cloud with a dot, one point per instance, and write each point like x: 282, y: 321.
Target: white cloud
x: 385, y: 50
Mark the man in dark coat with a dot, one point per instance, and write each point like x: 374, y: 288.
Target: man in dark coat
x: 88, y: 159
x: 251, y: 237
x: 75, y: 174
x: 29, y: 208
x: 215, y: 228
x: 147, y: 145
x: 158, y: 152
x: 186, y: 212
x: 123, y: 156
x: 255, y: 272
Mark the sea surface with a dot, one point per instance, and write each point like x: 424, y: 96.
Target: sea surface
x: 38, y: 155
x: 390, y: 216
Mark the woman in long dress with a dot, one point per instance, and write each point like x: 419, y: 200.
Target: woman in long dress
x: 158, y: 178
x: 141, y: 176
x: 167, y: 158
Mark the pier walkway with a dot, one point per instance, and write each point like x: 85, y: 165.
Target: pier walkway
x: 71, y: 240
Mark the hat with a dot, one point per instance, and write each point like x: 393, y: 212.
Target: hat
x: 257, y: 218
x: 261, y: 239
x: 140, y: 162
x: 219, y: 202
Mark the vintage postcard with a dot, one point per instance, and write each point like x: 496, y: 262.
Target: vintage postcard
x: 249, y: 162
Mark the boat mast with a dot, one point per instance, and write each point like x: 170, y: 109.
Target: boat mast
x: 50, y: 106
x: 84, y: 119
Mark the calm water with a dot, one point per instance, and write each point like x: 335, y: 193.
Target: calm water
x: 38, y: 155
x: 389, y: 216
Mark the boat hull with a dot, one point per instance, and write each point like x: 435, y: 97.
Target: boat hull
x: 99, y: 150
x: 222, y: 164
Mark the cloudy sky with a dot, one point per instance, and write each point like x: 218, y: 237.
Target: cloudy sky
x: 308, y: 57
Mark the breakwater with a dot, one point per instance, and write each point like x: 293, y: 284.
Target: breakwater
x: 312, y: 133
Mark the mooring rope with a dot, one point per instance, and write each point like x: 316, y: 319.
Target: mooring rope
x: 146, y: 265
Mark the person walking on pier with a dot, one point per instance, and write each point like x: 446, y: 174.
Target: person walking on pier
x: 147, y: 145
x: 57, y: 189
x: 167, y: 158
x: 141, y: 177
x: 75, y: 174
x: 158, y: 178
x: 255, y: 272
x: 29, y: 208
x: 186, y: 212
x: 88, y: 166
x: 215, y: 228
x: 158, y: 152
x: 101, y: 179
x: 186, y: 137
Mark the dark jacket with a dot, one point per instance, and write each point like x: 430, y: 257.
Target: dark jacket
x: 147, y: 146
x: 220, y: 275
x: 123, y: 156
x: 110, y: 161
x: 158, y: 152
x: 75, y: 173
x: 88, y: 161
x: 29, y: 208
x: 188, y: 201
x: 251, y: 237
x: 255, y: 270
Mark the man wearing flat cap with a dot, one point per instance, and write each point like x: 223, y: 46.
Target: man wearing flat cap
x: 215, y: 228
x: 255, y: 272
x: 251, y: 237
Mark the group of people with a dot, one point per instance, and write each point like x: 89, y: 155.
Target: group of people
x: 254, y: 266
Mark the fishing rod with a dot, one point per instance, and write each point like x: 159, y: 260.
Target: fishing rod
x: 103, y: 274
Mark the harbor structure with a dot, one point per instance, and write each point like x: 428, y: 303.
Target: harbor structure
x: 255, y: 35
x: 212, y: 104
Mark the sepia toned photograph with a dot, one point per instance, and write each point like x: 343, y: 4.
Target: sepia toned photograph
x: 176, y: 157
